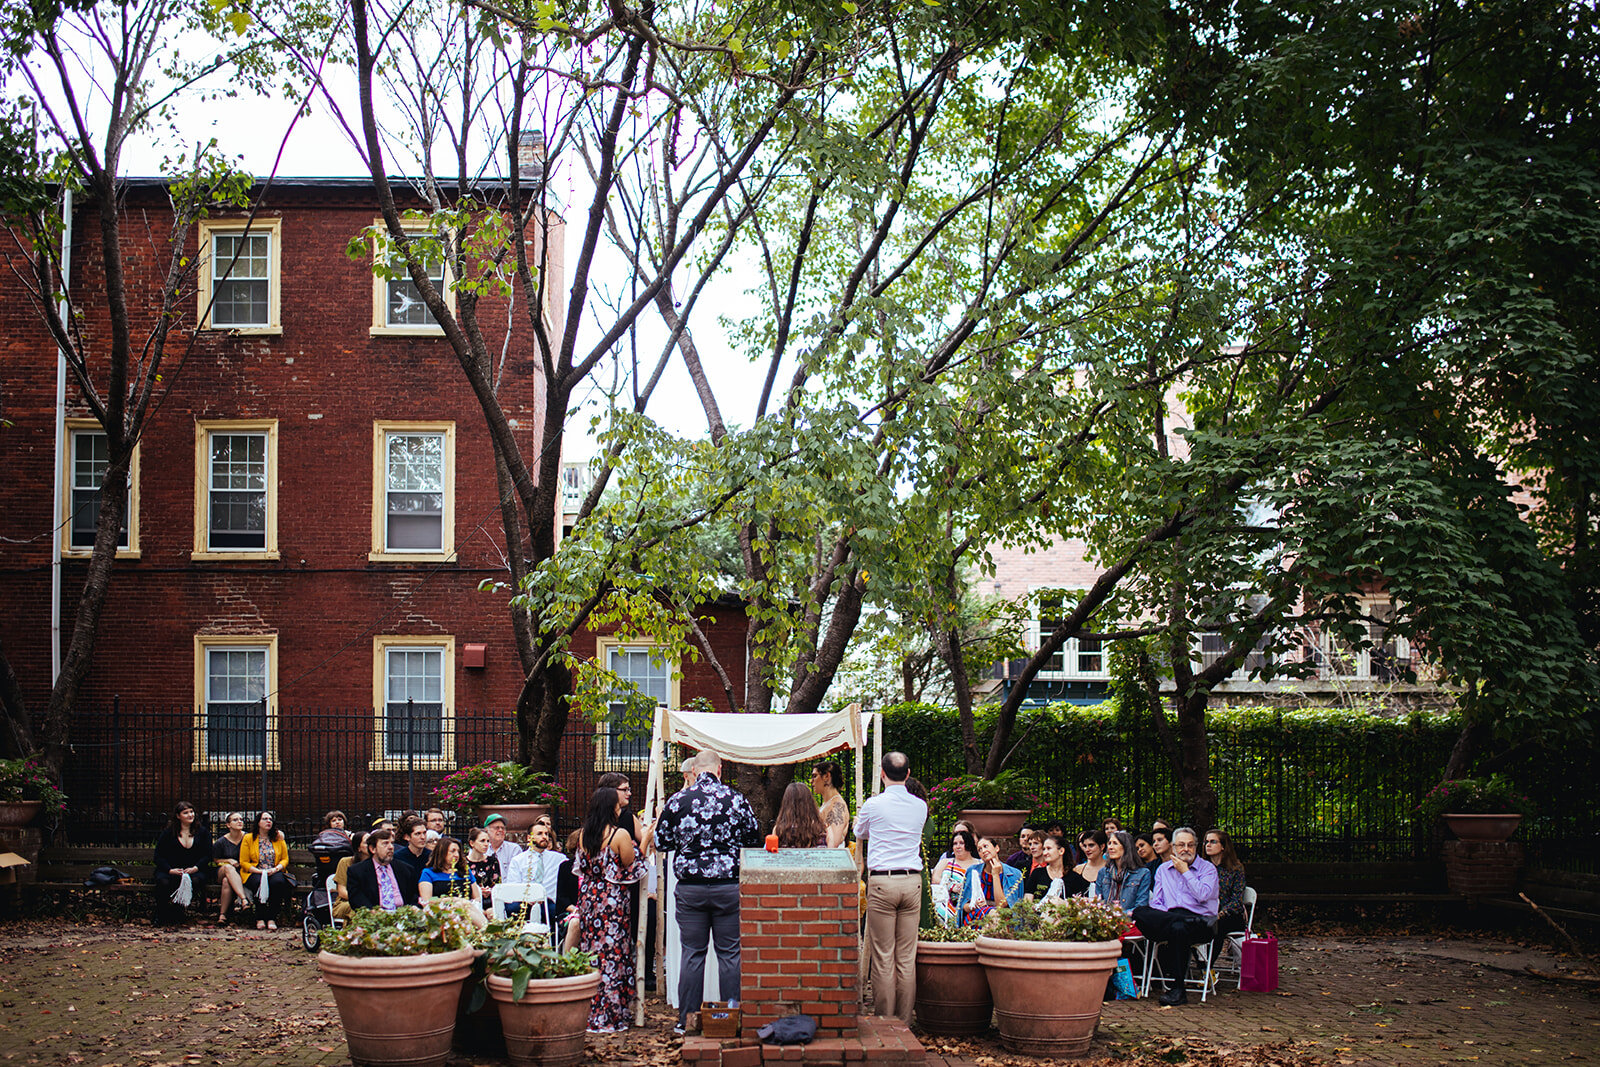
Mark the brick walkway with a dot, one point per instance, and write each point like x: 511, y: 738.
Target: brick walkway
x: 101, y: 995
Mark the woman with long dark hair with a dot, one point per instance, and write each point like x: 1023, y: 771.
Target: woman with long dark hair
x: 608, y: 863
x: 988, y: 885
x: 264, y: 857
x: 799, y: 823
x: 447, y: 874
x: 1123, y: 880
x: 182, y: 858
x: 1230, y: 885
x: 951, y: 872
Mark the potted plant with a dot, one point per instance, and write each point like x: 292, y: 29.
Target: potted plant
x: 995, y: 806
x: 1477, y: 809
x: 952, y: 988
x: 396, y: 977
x: 511, y: 789
x: 543, y: 995
x: 1047, y: 965
x: 26, y: 786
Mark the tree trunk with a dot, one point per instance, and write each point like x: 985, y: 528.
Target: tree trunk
x: 542, y: 719
x: 1468, y: 741
x: 1194, y: 761
x: 17, y: 739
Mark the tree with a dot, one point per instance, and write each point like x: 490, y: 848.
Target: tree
x: 101, y: 77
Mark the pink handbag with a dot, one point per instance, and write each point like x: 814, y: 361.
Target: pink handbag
x: 1258, y: 964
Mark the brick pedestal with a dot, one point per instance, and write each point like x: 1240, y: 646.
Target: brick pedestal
x: 1482, y: 868
x: 799, y: 939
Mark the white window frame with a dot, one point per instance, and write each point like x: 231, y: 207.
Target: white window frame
x: 381, y: 327
x: 381, y: 431
x: 76, y: 428
x: 1072, y: 650
x: 204, y: 429
x: 382, y: 758
x: 268, y: 226
x: 204, y: 644
x: 603, y: 759
x: 1361, y: 661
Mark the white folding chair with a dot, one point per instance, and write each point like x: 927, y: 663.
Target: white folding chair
x: 1232, y: 957
x: 1200, y: 951
x: 527, y: 894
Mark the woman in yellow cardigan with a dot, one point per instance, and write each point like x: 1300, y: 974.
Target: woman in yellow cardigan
x: 264, y: 856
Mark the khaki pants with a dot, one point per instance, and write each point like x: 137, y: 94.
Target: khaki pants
x: 894, y: 904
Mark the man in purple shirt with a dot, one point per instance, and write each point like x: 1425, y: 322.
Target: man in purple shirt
x: 1182, y: 911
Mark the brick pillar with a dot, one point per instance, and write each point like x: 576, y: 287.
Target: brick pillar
x: 799, y: 935
x: 1482, y: 868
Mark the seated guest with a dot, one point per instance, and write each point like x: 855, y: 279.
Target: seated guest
x: 333, y: 830
x: 411, y: 847
x: 484, y: 864
x: 1145, y: 851
x: 1110, y: 826
x: 264, y: 859
x: 1230, y: 885
x: 504, y: 851
x: 225, y: 854
x: 1182, y: 910
x: 1053, y: 879
x: 434, y: 820
x: 540, y: 863
x: 989, y: 884
x: 950, y: 874
x: 378, y: 881
x: 799, y: 823
x: 182, y: 859
x: 1092, y: 843
x: 1027, y: 857
x: 1123, y: 880
x: 1161, y: 845
x: 341, y: 875
x: 569, y: 885
x: 447, y: 875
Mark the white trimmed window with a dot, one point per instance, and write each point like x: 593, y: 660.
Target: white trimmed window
x: 1386, y: 660
x: 413, y: 506
x: 88, y: 455
x: 397, y: 306
x: 413, y: 682
x: 234, y: 680
x: 1079, y: 657
x: 624, y: 741
x: 236, y: 489
x: 239, y: 275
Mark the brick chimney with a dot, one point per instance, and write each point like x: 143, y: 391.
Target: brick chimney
x: 530, y: 155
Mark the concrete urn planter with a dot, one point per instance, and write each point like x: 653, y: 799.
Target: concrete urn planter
x: 18, y: 813
x: 546, y: 1027
x: 1497, y: 827
x: 397, y: 1009
x: 952, y: 989
x: 1047, y: 993
x: 995, y: 822
x: 519, y: 817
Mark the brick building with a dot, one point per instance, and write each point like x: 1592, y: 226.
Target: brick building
x: 311, y: 512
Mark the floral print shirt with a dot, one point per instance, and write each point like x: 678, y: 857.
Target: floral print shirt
x: 704, y: 827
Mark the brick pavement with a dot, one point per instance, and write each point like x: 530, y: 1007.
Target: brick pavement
x: 98, y: 995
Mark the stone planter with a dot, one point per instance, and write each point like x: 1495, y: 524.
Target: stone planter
x: 952, y: 989
x: 397, y: 1009
x: 519, y: 817
x: 995, y: 822
x: 546, y: 1027
x: 1498, y: 827
x: 19, y: 813
x: 1047, y: 993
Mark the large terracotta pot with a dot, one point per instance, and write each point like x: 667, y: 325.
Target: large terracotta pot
x: 1047, y: 993
x: 995, y: 822
x: 952, y: 988
x: 397, y: 1009
x: 1482, y: 827
x: 519, y: 817
x: 15, y: 813
x: 546, y: 1027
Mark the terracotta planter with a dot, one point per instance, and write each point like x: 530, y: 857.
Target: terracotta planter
x: 397, y: 1009
x: 1497, y: 827
x: 995, y: 822
x: 1047, y: 993
x: 546, y: 1027
x: 952, y: 989
x: 519, y: 817
x: 15, y: 813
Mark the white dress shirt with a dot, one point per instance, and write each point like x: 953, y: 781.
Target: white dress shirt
x: 508, y: 851
x: 892, y: 823
x: 535, y: 866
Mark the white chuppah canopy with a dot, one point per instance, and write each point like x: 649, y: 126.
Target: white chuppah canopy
x: 760, y: 740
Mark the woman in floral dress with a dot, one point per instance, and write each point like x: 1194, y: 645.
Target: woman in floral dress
x: 608, y: 863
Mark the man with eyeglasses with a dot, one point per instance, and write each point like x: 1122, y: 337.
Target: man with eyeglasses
x: 1182, y: 911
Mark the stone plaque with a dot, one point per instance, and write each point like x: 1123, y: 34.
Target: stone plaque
x: 810, y: 864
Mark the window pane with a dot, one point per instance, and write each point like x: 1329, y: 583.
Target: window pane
x: 414, y: 482
x: 414, y: 702
x: 631, y: 740
x: 236, y: 712
x: 404, y: 302
x: 1089, y: 659
x: 240, y: 268
x: 91, y: 455
x: 238, y: 504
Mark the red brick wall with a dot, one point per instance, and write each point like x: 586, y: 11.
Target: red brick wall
x: 799, y: 953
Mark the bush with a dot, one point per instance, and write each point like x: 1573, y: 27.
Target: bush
x: 489, y: 783
x: 27, y: 779
x: 1008, y: 790
x: 442, y: 925
x: 1072, y: 919
x: 1494, y: 795
x: 948, y: 934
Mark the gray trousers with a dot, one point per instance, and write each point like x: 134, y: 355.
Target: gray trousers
x: 703, y: 910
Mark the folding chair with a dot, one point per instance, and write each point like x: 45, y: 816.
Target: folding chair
x: 531, y: 897
x: 1232, y: 957
x: 1200, y: 950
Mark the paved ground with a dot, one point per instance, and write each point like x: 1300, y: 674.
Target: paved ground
x: 126, y: 994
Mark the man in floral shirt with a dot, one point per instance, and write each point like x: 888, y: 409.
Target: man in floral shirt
x: 704, y: 827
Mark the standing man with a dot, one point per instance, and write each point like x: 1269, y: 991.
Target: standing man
x: 1182, y: 911
x: 504, y: 851
x: 704, y: 827
x: 891, y: 823
x: 379, y: 882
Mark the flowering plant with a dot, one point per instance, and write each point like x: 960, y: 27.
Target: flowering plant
x: 443, y: 924
x: 1007, y: 790
x: 1494, y: 795
x: 26, y: 778
x: 1072, y: 919
x: 948, y: 934
x: 512, y: 953
x: 489, y: 783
